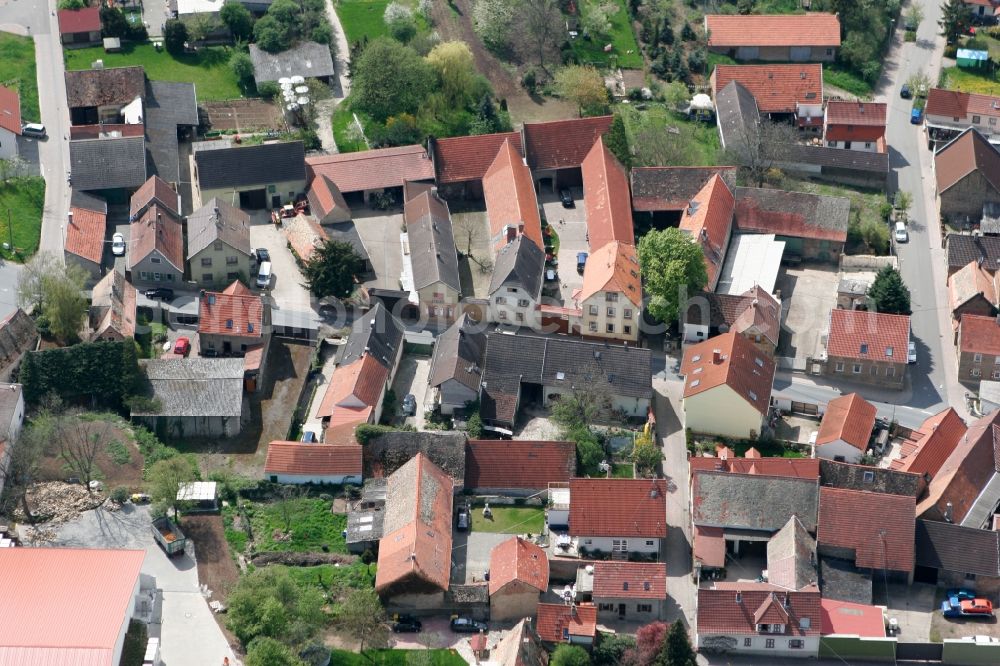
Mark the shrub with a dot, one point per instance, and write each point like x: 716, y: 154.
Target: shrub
x: 118, y: 452
x: 120, y: 495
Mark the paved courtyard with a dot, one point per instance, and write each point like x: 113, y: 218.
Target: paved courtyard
x: 470, y: 554
x: 411, y: 377
x: 570, y: 224
x: 808, y: 293
x: 379, y: 231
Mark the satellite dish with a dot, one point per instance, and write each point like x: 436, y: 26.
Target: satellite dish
x: 298, y: 79
x: 302, y: 89
x: 284, y: 81
x: 302, y: 101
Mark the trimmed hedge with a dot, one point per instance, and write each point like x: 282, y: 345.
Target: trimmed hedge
x: 105, y: 372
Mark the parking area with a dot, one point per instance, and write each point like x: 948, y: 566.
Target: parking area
x: 437, y: 634
x: 411, y: 377
x: 286, y: 288
x: 472, y: 240
x: 570, y: 224
x: 471, y: 555
x: 808, y: 293
x: 942, y: 627
x: 379, y: 231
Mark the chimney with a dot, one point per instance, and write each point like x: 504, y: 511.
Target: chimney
x: 716, y: 356
x: 947, y: 512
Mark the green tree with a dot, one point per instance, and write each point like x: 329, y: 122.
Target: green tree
x: 617, y: 141
x: 596, y: 20
x: 955, y: 20
x: 589, y: 451
x: 390, y: 78
x: 269, y: 603
x: 570, y: 655
x: 678, y: 651
x: 114, y: 23
x: 362, y: 617
x: 578, y: 408
x: 914, y: 15
x: 175, y: 35
x: 242, y: 67
x: 31, y: 280
x: 238, y: 19
x: 72, y: 4
x: 646, y: 454
x: 889, y: 292
x: 271, y: 35
x: 611, y: 649
x: 399, y: 20
x: 201, y: 25
x: 332, y: 268
x: 492, y: 21
x: 23, y: 467
x: 584, y: 86
x: 166, y: 476
x: 266, y: 651
x: 65, y: 307
x: 456, y: 69
x: 673, y: 267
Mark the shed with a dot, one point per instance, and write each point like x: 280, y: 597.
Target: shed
x: 971, y: 58
x: 203, y: 494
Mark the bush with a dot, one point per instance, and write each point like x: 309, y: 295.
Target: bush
x: 474, y: 426
x: 120, y: 495
x: 175, y: 34
x: 118, y: 452
x: 106, y: 373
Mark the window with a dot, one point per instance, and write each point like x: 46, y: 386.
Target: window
x: 144, y: 275
x: 501, y: 315
x: 594, y: 310
x: 796, y: 643
x: 438, y: 295
x: 605, y: 607
x: 868, y: 145
x: 857, y: 368
x: 611, y: 297
x: 769, y: 643
x: 611, y: 312
x: 520, y: 316
x: 650, y: 543
x: 628, y: 315
x: 839, y: 367
x: 976, y: 120
x: 888, y: 351
x: 154, y: 260
x: 829, y: 53
x: 206, y: 277
x: 977, y: 358
x: 232, y: 261
x: 873, y: 371
x: 156, y: 276
x: 890, y: 372
x: 993, y: 121
x: 644, y: 608
x: 996, y: 374
x: 593, y: 327
x: 627, y: 330
x: 864, y: 347
x: 170, y: 277
x: 511, y: 290
x: 232, y: 276
x: 976, y: 372
x: 587, y: 542
x: 747, y: 642
x: 206, y: 262
x: 611, y: 328
x: 869, y: 477
x: 522, y: 303
x: 499, y: 300
x: 217, y: 246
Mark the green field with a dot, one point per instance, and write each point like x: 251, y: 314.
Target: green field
x: 622, y: 471
x: 843, y: 78
x: 362, y: 18
x: 700, y: 140
x: 17, y: 70
x: 970, y: 81
x: 208, y: 69
x: 397, y: 658
x: 23, y: 199
x: 312, y: 527
x: 509, y: 520
x: 343, y: 118
x: 625, y: 53
x: 358, y: 575
x: 867, y: 203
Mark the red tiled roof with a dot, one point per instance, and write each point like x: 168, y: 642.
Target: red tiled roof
x: 618, y: 508
x: 957, y: 105
x: 613, y: 268
x: 855, y: 121
x: 354, y: 386
x: 932, y: 444
x: 710, y: 546
x: 845, y: 618
x: 372, y: 169
x: 158, y: 229
x: 777, y: 88
x: 978, y: 335
x: 85, y: 234
x: 708, y: 219
x: 524, y: 464
x: 740, y: 365
x: 324, y: 197
x: 296, y: 458
x: 462, y: 158
x: 630, y: 580
x: 234, y: 311
x: 864, y: 335
x: 792, y: 468
x: 562, y: 144
x: 849, y: 418
x: 969, y: 151
x: 969, y: 282
x: 883, y: 543
x: 518, y: 560
x: 87, y: 19
x: 154, y: 189
x: 555, y: 620
x: 731, y: 609
x: 813, y: 29
x: 10, y: 110
x: 510, y: 197
x: 606, y: 198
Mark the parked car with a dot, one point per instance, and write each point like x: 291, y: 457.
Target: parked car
x: 581, y: 261
x: 916, y: 116
x: 162, y: 293
x: 262, y: 255
x: 264, y: 275
x: 463, y: 519
x: 900, y: 233
x: 566, y: 197
x: 118, y: 245
x: 911, y: 357
x: 905, y: 92
x: 36, y: 130
x: 466, y: 625
x: 960, y: 592
x: 406, y: 624
x: 309, y: 437
x: 976, y: 606
x: 409, y: 405
x: 182, y: 346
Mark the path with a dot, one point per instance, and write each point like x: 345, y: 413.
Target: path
x: 341, y: 85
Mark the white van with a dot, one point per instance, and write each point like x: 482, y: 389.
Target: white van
x: 901, y: 235
x: 36, y: 130
x: 264, y: 275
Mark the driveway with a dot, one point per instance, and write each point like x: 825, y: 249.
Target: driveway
x: 9, y: 274
x: 379, y: 231
x: 412, y: 378
x: 571, y: 226
x: 471, y: 555
x: 291, y: 302
x: 154, y: 14
x: 807, y: 294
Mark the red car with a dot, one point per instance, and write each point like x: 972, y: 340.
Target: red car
x: 182, y: 347
x: 976, y: 606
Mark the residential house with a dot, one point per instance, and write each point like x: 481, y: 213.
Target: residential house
x: 218, y: 244
x: 868, y: 347
x: 738, y: 119
x: 755, y: 315
x: 949, y: 112
x: 18, y: 335
x: 385, y: 453
x: 154, y: 191
x: 623, y: 517
x: 555, y: 150
x: 978, y: 349
x: 305, y: 234
x: 433, y: 256
x: 414, y: 555
x: 780, y: 91
x: 85, y: 233
x: 575, y: 624
x: 851, y: 620
x: 326, y: 202
x: 155, y: 252
x: 727, y: 386
x: 108, y: 161
x: 629, y: 591
x: 520, y: 646
x: 171, y: 117
x: 955, y: 556
x: 80, y: 27
x: 967, y: 169
x: 964, y: 248
x: 791, y: 557
x: 540, y: 369
x: 296, y: 462
x: 378, y: 333
x: 354, y: 396
x: 233, y: 321
x: 808, y: 37
x: 46, y: 585
x: 855, y: 125
x: 813, y: 227
x: 971, y: 292
x: 517, y: 467
x: 457, y: 365
x: 511, y: 205
x: 516, y: 285
x: 926, y: 450
x: 11, y: 422
x: 106, y: 96
x: 308, y: 59
x: 264, y: 176
x: 611, y: 298
x: 519, y: 573
x: 113, y: 308
x: 606, y: 198
x: 10, y: 122
x: 358, y: 176
x: 664, y: 192
x: 846, y: 429
x: 758, y: 619
x: 460, y: 163
x: 193, y: 397
x: 708, y: 220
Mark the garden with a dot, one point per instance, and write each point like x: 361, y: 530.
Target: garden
x: 17, y: 70
x: 22, y: 199
x: 509, y: 520
x: 289, y: 524
x: 616, y: 31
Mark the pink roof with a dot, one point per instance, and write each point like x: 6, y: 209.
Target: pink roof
x: 510, y: 197
x: 87, y: 19
x: 64, y: 606
x: 813, y: 29
x: 10, y: 110
x: 606, y: 197
x: 373, y: 169
x: 864, y: 335
x: 850, y: 619
x: 708, y: 219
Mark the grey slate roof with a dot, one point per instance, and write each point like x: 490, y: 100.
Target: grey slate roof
x: 308, y: 59
x: 432, y: 243
x: 218, y: 220
x: 347, y: 232
x: 168, y: 104
x: 672, y: 188
x: 736, y: 114
x: 18, y: 334
x: 519, y: 264
x: 9, y: 396
x: 251, y: 165
x: 852, y: 477
x: 80, y: 199
x: 378, y: 332
x: 390, y: 451
x: 110, y: 163
x: 840, y: 580
x: 955, y: 548
x: 792, y: 213
x: 791, y: 556
x: 195, y: 386
x: 962, y: 249
x: 838, y: 158
x: 753, y: 501
x: 458, y: 354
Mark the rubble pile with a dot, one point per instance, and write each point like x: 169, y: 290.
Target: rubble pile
x: 56, y: 502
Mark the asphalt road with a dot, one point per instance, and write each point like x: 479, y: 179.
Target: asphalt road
x: 9, y: 272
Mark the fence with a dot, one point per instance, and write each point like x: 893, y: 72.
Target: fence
x: 866, y: 262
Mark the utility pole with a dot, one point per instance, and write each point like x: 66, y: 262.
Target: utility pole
x: 10, y: 229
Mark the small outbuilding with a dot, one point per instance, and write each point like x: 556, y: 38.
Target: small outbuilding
x: 203, y: 495
x: 971, y: 58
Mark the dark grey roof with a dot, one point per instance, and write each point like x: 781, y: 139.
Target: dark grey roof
x: 376, y: 331
x: 839, y: 158
x: 458, y: 354
x: 852, y: 477
x: 109, y: 163
x: 347, y: 232
x: 195, y: 386
x: 955, y: 548
x: 511, y: 359
x: 251, y: 165
x: 476, y: 593
x: 736, y: 114
x: 519, y: 264
x: 432, y: 242
x: 168, y: 105
x: 962, y: 249
x: 388, y: 452
x: 672, y: 187
x: 364, y: 525
x: 840, y: 580
x: 791, y: 213
x: 81, y: 199
x: 308, y: 59
x: 753, y: 501
x: 104, y: 87
x: 218, y: 220
x: 10, y: 395
x: 18, y: 334
x: 990, y: 224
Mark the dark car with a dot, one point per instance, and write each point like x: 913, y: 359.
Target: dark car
x: 160, y: 292
x: 407, y: 624
x: 262, y: 255
x: 466, y: 625
x: 409, y: 405
x: 463, y: 519
x: 905, y: 92
x: 961, y: 593
x: 566, y: 197
x: 916, y: 116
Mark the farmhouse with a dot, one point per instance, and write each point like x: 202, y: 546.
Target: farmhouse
x: 783, y: 37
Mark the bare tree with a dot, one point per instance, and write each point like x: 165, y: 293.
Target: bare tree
x: 470, y: 229
x: 24, y: 464
x: 538, y: 31
x: 79, y: 444
x: 31, y: 282
x: 760, y: 147
x: 658, y: 146
x: 288, y: 504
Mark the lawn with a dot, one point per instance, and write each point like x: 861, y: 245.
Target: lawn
x: 509, y: 520
x: 843, y: 78
x: 362, y: 18
x: 622, y: 471
x: 17, y: 70
x: 397, y: 658
x: 21, y: 203
x: 970, y: 81
x: 312, y: 527
x: 343, y: 120
x: 625, y: 53
x: 867, y: 202
x: 208, y: 69
x: 700, y: 140
x: 357, y: 576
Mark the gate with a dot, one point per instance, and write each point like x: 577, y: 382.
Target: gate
x: 919, y: 651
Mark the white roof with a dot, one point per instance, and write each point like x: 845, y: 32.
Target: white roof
x: 196, y: 491
x: 198, y: 6
x: 989, y: 396
x: 753, y: 259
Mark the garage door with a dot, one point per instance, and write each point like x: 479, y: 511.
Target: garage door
x: 800, y: 53
x: 253, y: 199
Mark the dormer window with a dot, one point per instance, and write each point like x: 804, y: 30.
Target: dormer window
x: 770, y: 628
